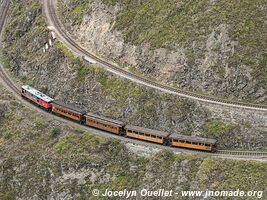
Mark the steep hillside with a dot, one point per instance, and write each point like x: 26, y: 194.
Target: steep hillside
x: 69, y: 79
x: 212, y: 47
x: 42, y: 158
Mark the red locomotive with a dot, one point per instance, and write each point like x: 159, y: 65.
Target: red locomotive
x: 36, y: 97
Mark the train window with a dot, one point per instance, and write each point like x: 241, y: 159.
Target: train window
x: 207, y: 145
x: 188, y: 142
x: 130, y: 131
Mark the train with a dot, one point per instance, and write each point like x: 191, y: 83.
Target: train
x: 114, y: 126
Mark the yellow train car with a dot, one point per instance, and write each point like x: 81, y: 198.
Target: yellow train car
x: 146, y: 134
x: 193, y: 142
x: 103, y: 123
x: 68, y: 111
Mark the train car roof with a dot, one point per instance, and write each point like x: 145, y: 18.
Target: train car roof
x: 147, y: 130
x: 69, y: 107
x: 193, y: 138
x: 37, y: 93
x: 105, y: 119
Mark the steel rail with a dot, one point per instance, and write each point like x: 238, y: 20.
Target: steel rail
x: 66, y: 38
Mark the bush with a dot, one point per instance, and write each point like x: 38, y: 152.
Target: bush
x: 55, y: 132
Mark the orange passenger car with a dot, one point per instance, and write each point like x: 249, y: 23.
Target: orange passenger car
x: 193, y: 142
x: 103, y: 123
x: 68, y: 111
x: 146, y: 134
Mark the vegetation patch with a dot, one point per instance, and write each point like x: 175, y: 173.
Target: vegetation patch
x: 25, y: 80
x: 3, y: 59
x: 67, y: 53
x: 76, y: 10
x: 218, y: 128
x: 55, y: 131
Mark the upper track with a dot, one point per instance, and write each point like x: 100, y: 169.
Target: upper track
x: 56, y: 25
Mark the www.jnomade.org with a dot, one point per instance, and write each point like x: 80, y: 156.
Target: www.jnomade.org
x: 169, y: 193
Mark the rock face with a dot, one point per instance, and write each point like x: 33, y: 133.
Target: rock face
x: 205, y: 65
x: 60, y: 75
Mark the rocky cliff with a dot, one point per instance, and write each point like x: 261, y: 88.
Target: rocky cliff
x: 212, y: 47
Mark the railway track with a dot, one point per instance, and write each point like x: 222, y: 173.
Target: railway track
x: 49, y: 7
x: 242, y: 153
x: 8, y: 81
x: 4, y: 5
x: 233, y: 154
x: 3, y: 13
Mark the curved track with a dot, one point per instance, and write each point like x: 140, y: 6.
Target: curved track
x: 220, y: 153
x: 4, y: 5
x: 56, y: 25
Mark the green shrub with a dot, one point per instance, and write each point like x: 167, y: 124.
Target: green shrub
x: 55, y: 131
